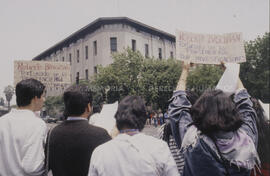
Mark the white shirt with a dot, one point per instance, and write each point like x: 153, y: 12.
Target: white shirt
x: 137, y: 155
x: 22, y: 138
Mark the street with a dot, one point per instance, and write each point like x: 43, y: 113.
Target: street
x: 148, y: 129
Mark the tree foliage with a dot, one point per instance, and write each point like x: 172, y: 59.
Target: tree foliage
x: 2, y: 101
x: 121, y: 78
x: 255, y: 72
x: 158, y: 81
x: 54, y: 106
x: 204, y: 77
x: 132, y: 74
x: 9, y: 92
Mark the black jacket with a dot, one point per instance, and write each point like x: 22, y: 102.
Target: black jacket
x: 71, y: 146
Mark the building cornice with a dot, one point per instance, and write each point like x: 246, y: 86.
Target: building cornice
x: 90, y: 28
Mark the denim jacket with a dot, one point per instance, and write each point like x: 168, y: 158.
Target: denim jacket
x: 200, y: 152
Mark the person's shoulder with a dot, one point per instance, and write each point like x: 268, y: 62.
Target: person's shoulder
x: 98, y: 131
x: 151, y: 140
x: 105, y: 147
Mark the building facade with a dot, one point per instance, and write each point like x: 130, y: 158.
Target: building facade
x: 94, y: 44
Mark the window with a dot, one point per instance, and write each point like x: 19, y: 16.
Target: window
x: 70, y: 58
x: 95, y: 69
x: 86, y: 52
x: 86, y: 74
x: 133, y: 42
x: 146, y: 50
x: 77, y: 77
x: 113, y: 43
x: 78, y: 55
x: 63, y: 59
x: 95, y: 47
x: 172, y: 54
x: 159, y: 53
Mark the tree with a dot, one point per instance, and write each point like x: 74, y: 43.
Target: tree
x: 54, y: 106
x: 204, y: 77
x: 132, y: 74
x: 121, y: 78
x: 158, y: 81
x: 9, y: 91
x: 2, y: 101
x: 255, y: 71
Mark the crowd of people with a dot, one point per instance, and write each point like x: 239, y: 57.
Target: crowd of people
x: 216, y: 134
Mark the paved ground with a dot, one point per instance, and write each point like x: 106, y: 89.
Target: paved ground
x: 151, y: 130
x: 148, y: 129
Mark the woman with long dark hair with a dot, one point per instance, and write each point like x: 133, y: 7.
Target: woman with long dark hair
x: 218, y: 135
x: 263, y: 149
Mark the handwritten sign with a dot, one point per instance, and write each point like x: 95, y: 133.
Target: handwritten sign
x: 210, y: 48
x: 54, y: 75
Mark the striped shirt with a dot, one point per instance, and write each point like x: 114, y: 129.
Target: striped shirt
x: 178, y: 157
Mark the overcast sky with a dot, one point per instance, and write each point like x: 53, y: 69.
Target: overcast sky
x: 28, y: 27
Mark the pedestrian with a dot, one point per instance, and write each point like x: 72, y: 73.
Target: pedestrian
x: 132, y: 153
x: 155, y: 117
x: 220, y: 137
x: 71, y: 143
x: 263, y: 139
x: 169, y: 132
x: 166, y: 116
x: 160, y: 116
x: 22, y: 133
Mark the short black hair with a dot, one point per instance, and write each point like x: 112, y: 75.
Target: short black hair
x: 28, y: 89
x: 131, y: 113
x: 76, y: 99
x: 215, y: 111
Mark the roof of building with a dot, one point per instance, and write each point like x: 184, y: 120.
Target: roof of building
x: 97, y: 24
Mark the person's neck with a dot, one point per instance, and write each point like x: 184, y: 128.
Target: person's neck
x: 129, y: 131
x: 28, y: 107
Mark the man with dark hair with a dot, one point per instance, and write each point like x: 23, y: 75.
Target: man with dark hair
x: 22, y: 133
x: 131, y: 152
x: 71, y: 143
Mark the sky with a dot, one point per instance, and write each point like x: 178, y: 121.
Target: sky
x: 28, y: 27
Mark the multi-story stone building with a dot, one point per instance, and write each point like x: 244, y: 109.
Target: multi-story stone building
x: 94, y: 44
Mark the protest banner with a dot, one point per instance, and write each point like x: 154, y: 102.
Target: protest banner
x: 54, y: 75
x: 210, y: 48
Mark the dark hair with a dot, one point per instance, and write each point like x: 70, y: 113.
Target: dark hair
x: 263, y: 132
x: 192, y: 96
x: 215, y: 111
x: 28, y: 89
x: 131, y: 113
x: 76, y: 99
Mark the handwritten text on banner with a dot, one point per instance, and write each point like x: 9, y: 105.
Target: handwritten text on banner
x: 210, y: 48
x: 55, y: 75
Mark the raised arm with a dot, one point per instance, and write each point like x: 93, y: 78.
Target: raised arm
x: 179, y: 107
x: 245, y: 107
x: 181, y: 85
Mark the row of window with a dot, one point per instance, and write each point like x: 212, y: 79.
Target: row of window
x: 86, y: 53
x: 113, y: 47
x: 86, y: 73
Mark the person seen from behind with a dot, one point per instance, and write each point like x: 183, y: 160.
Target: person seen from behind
x: 263, y: 149
x: 132, y: 153
x: 71, y: 143
x: 218, y: 135
x: 169, y: 131
x: 23, y: 134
